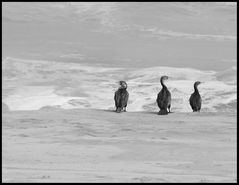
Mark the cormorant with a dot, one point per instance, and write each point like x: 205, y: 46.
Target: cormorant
x: 164, y: 98
x: 121, y: 97
x: 195, y: 99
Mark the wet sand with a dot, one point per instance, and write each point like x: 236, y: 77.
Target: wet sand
x: 79, y: 145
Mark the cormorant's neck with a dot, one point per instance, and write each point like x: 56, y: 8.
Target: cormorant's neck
x: 162, y: 83
x: 196, y: 89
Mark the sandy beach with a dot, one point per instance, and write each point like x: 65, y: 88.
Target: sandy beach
x: 79, y: 145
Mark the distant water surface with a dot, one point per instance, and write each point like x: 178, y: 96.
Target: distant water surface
x: 198, y: 35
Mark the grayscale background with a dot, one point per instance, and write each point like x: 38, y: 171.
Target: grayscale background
x: 61, y: 63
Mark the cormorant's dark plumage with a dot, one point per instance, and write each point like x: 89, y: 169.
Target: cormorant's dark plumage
x: 121, y: 97
x: 195, y: 99
x: 164, y: 98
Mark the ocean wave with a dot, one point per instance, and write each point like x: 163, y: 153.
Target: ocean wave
x: 173, y: 34
x: 36, y: 84
x: 74, y: 55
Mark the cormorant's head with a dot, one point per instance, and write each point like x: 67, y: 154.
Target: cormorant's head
x: 164, y: 78
x: 197, y: 83
x: 123, y: 85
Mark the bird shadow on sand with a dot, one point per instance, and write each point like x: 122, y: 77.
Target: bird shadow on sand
x: 157, y: 113
x: 107, y: 110
x: 142, y: 112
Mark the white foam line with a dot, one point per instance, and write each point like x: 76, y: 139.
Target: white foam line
x: 159, y: 32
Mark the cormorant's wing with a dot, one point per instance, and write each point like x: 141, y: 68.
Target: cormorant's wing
x: 125, y: 98
x: 117, y: 98
x: 199, y: 102
x: 191, y: 100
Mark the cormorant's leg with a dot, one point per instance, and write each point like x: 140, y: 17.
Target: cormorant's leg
x: 118, y: 109
x: 169, y: 107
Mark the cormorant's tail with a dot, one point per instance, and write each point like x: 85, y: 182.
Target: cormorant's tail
x: 163, y: 112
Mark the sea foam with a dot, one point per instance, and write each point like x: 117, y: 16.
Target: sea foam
x: 34, y: 84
